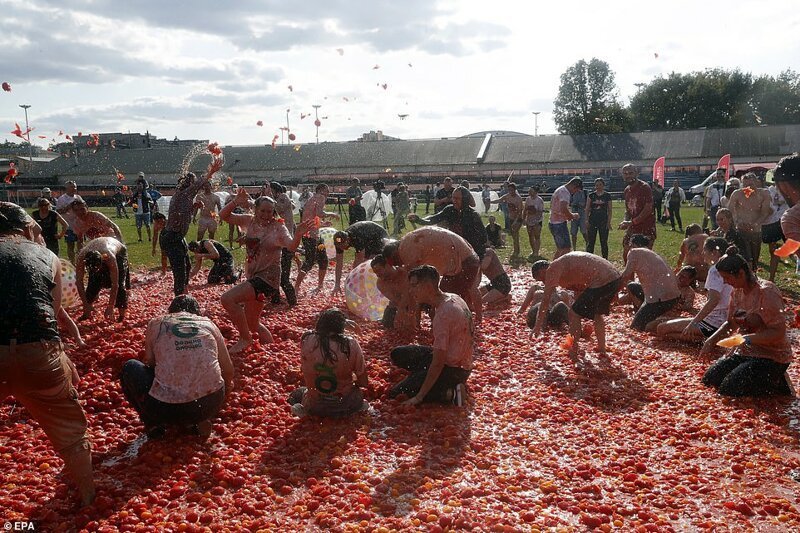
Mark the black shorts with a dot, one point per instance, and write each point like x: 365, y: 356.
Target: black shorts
x: 650, y: 311
x: 596, y: 300
x: 501, y: 283
x: 102, y: 280
x: 771, y: 233
x: 707, y: 329
x: 313, y: 254
x: 263, y: 289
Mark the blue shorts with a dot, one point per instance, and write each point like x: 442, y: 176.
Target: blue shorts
x: 144, y: 218
x: 560, y: 235
x: 70, y: 236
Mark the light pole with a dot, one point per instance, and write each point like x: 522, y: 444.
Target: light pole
x: 639, y: 85
x: 316, y: 119
x: 28, y: 133
x: 287, y: 126
x: 535, y: 123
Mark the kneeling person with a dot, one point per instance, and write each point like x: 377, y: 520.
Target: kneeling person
x: 438, y: 372
x: 498, y: 290
x: 329, y: 360
x: 186, y: 373
x: 222, y: 269
x: 658, y: 286
x: 106, y: 260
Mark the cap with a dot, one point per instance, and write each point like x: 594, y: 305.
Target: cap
x: 141, y: 174
x: 46, y: 190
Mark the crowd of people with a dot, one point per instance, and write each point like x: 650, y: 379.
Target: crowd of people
x: 436, y: 268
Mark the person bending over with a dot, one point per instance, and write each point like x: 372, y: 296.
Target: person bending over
x: 222, y: 269
x: 366, y: 237
x: 105, y: 259
x: 329, y: 360
x: 393, y: 284
x: 557, y: 313
x: 438, y: 373
x: 498, y: 291
x: 757, y: 367
x: 92, y: 224
x: 593, y: 279
x: 657, y: 288
x: 186, y: 373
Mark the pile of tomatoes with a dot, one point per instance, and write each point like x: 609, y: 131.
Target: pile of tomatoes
x: 631, y: 441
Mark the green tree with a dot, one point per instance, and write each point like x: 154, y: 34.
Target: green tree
x: 775, y: 100
x: 713, y: 98
x: 588, y: 102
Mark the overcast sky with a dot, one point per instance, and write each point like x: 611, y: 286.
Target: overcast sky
x: 201, y: 70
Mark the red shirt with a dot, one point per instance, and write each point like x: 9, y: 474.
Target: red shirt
x: 639, y: 205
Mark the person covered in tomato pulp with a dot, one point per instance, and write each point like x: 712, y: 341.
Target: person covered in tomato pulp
x: 92, y: 224
x: 265, y: 238
x: 657, y: 291
x: 186, y: 373
x: 314, y: 211
x: 595, y: 282
x: 33, y: 365
x: 105, y: 260
x: 756, y: 366
x: 437, y: 373
x: 329, y: 361
x: 222, y: 271
x: 366, y: 237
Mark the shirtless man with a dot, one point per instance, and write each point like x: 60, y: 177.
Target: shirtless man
x: 498, y: 291
x: 595, y: 280
x: 516, y: 206
x: 393, y: 284
x: 92, y: 224
x: 208, y: 205
x: 657, y: 287
x: 106, y: 260
x: 691, y: 253
x: 449, y: 253
x: 750, y: 206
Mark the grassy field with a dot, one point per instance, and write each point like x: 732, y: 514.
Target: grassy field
x: 667, y: 243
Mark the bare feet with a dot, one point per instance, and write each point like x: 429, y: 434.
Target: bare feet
x: 240, y: 346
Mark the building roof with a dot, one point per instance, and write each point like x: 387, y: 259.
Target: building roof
x: 505, y: 150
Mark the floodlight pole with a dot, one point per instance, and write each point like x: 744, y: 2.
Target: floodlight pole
x: 28, y: 133
x: 316, y: 119
x: 535, y: 123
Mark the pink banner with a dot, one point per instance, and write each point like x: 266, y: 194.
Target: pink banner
x: 658, y: 171
x: 725, y: 162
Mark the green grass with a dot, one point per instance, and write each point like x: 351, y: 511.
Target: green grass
x: 667, y: 243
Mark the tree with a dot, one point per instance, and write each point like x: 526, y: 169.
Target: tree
x: 713, y: 98
x: 587, y: 100
x: 775, y: 100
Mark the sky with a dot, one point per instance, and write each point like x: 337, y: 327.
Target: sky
x: 204, y: 70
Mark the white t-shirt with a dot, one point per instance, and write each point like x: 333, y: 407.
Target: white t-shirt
x: 714, y: 282
x: 779, y: 205
x: 187, y: 363
x: 559, y: 203
x: 534, y: 208
x: 63, y: 201
x: 452, y: 331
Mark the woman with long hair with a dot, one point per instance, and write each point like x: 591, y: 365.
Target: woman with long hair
x: 265, y: 237
x: 757, y: 365
x: 329, y: 360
